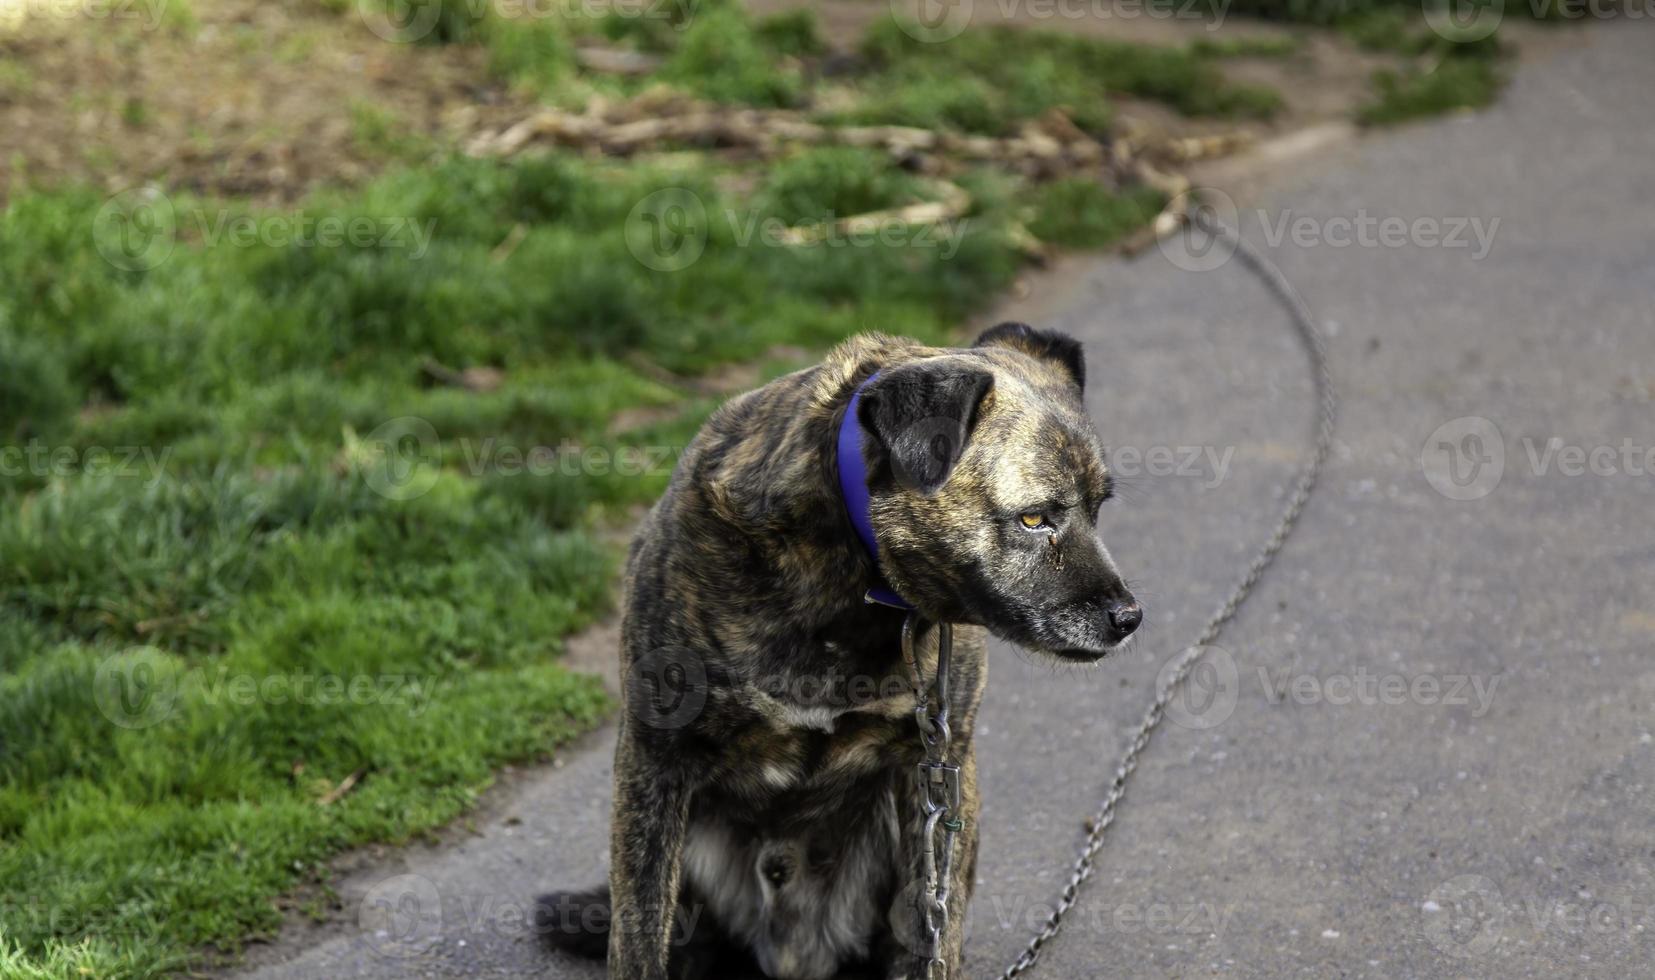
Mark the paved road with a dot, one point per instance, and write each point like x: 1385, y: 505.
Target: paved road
x: 1426, y: 749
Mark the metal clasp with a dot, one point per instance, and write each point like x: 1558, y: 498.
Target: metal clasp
x: 942, y: 786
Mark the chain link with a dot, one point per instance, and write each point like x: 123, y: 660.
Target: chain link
x: 1304, y: 324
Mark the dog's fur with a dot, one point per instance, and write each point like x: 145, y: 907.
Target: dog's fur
x: 766, y: 800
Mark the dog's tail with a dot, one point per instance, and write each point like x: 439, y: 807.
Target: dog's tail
x: 575, y: 922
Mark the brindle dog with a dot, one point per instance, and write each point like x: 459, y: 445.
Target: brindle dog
x: 766, y: 797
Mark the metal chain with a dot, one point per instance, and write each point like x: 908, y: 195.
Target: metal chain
x: 1304, y: 324
x: 939, y: 782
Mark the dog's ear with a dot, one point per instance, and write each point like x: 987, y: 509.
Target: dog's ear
x: 922, y: 414
x: 1048, y: 345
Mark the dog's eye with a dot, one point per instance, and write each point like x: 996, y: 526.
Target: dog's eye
x: 1033, y: 521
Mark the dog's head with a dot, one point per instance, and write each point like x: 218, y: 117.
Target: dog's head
x: 986, y: 478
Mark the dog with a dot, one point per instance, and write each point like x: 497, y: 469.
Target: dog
x: 767, y: 805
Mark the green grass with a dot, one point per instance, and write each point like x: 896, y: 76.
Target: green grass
x: 1404, y: 32
x: 1081, y: 213
x: 1392, y: 30
x: 88, y: 958
x: 1444, y: 73
x: 712, y: 49
x: 792, y: 33
x: 721, y: 58
x: 989, y: 80
x: 819, y: 184
x: 383, y: 135
x: 149, y: 802
x: 535, y: 51
x: 16, y: 81
x: 176, y: 16
x: 270, y: 525
x: 1454, y: 83
x: 1439, y: 75
x: 428, y: 22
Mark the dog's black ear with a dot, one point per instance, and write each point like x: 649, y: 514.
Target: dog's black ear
x: 1048, y: 344
x: 922, y: 414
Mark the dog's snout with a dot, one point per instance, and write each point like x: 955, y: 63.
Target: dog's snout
x: 1125, y: 615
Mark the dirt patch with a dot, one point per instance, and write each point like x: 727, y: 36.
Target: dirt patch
x: 258, y: 100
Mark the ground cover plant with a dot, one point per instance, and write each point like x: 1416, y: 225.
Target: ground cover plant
x: 1442, y: 71
x: 1448, y: 62
x: 987, y: 81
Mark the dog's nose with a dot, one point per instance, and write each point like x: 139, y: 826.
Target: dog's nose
x: 1124, y: 616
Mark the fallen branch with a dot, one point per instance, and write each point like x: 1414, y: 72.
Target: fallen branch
x: 509, y: 244
x: 617, y: 61
x: 1177, y: 188
x: 954, y: 203
x: 1049, y: 146
x: 1046, y: 148
x: 478, y: 379
x: 333, y: 795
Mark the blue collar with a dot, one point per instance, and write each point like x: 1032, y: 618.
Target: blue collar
x: 853, y: 486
